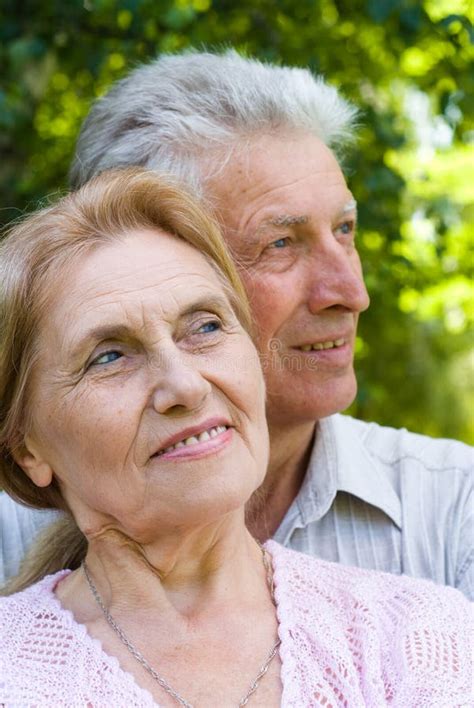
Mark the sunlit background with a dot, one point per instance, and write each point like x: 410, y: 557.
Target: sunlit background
x: 405, y: 63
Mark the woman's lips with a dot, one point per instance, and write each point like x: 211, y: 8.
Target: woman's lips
x: 208, y: 441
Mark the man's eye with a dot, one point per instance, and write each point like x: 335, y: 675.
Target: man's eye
x: 106, y: 358
x: 279, y: 243
x: 346, y: 228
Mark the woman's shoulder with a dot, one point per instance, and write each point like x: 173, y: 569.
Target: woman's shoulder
x: 40, y: 591
x: 38, y: 600
x: 382, y: 603
x: 65, y: 666
x: 395, y: 636
x: 347, y: 582
x: 31, y: 626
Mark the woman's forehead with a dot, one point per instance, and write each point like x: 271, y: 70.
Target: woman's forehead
x: 144, y: 253
x: 137, y: 278
x: 140, y: 261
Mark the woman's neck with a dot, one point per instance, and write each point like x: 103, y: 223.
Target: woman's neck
x: 184, y: 572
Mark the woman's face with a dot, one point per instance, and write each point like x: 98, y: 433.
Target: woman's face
x: 148, y: 400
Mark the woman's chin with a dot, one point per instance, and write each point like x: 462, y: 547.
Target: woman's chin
x: 193, y: 511
x: 213, y: 505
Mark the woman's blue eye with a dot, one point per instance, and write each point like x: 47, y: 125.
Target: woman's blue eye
x: 106, y: 358
x: 211, y: 326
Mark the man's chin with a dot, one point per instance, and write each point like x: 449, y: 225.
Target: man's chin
x: 309, y: 403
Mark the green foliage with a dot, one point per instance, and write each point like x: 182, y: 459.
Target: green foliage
x: 404, y: 62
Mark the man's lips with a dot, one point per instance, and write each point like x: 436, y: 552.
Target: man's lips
x: 334, y: 341
x: 320, y: 346
x: 189, y: 437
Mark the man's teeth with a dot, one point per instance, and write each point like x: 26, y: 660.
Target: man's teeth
x: 202, y: 437
x: 323, y: 345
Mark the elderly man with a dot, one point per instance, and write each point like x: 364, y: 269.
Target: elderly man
x: 258, y: 144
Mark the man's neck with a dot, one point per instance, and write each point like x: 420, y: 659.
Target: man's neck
x: 290, y: 450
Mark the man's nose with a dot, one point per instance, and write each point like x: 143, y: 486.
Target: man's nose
x: 335, y: 279
x: 178, y: 384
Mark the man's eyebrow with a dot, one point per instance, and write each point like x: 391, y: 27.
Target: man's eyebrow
x: 293, y: 220
x: 284, y: 220
x: 350, y: 206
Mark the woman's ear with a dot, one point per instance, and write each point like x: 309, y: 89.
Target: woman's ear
x: 31, y: 461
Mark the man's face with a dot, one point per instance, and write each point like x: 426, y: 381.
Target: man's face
x: 290, y: 221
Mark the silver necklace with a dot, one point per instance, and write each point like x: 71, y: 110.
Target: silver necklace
x: 159, y: 679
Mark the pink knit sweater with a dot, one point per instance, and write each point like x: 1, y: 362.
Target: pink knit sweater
x: 349, y: 637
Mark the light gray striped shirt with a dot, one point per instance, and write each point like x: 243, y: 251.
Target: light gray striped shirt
x: 387, y: 499
x: 373, y: 497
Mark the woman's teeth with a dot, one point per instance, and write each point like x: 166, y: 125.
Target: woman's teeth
x: 323, y: 345
x: 194, y: 439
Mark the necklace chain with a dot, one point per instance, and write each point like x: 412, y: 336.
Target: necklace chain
x: 159, y: 679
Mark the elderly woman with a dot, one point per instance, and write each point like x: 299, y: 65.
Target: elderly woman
x: 132, y: 398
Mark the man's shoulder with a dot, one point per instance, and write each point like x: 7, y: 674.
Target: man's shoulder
x: 391, y: 446
x: 18, y: 519
x: 19, y: 526
x: 388, y: 499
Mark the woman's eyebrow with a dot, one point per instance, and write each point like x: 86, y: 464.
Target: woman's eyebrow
x: 99, y: 334
x: 209, y: 302
x: 112, y: 331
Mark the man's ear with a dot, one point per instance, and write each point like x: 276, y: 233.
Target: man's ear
x: 31, y: 461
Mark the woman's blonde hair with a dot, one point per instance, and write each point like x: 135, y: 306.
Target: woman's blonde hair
x: 34, y: 254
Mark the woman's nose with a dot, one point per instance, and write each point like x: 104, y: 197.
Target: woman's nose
x: 179, y: 383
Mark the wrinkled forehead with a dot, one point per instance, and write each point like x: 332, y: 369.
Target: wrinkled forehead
x: 138, y: 277
x: 291, y: 174
x: 280, y: 156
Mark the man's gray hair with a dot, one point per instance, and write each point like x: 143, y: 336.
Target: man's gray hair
x: 180, y: 113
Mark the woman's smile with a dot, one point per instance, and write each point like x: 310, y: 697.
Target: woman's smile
x: 206, y: 439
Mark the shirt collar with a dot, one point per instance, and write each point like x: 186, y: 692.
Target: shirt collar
x: 340, y: 462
